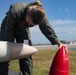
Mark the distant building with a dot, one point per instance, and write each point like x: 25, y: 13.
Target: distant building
x: 64, y: 41
x: 68, y: 42
x: 74, y: 42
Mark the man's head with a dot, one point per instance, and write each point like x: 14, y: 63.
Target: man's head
x: 35, y: 14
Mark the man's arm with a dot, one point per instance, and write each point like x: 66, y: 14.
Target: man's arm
x: 48, y: 31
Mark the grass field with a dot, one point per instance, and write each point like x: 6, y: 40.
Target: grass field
x: 42, y: 62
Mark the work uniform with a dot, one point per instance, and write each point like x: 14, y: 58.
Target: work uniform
x: 14, y: 28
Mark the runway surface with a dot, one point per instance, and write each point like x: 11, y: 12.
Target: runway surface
x: 69, y: 46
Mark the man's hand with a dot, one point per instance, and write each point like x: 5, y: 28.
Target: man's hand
x: 60, y: 45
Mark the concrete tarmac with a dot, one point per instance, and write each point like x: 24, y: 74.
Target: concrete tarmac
x: 69, y: 46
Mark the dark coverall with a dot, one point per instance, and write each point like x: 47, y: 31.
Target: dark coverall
x: 14, y: 27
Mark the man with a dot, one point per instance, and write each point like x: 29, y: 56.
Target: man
x: 15, y: 27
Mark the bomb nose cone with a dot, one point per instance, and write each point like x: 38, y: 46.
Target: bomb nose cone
x: 21, y: 51
x: 28, y: 49
x: 60, y: 64
x: 11, y: 51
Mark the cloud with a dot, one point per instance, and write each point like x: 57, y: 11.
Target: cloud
x: 64, y: 28
x: 37, y: 36
x: 63, y: 22
x: 34, y: 29
x: 71, y: 32
x: 67, y: 12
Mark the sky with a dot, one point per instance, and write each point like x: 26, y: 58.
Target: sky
x: 61, y: 15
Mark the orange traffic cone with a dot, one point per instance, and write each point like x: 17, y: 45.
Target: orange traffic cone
x: 60, y: 64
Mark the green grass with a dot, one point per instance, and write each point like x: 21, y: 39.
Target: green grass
x: 42, y: 62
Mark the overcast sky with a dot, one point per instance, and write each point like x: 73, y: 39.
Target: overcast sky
x: 60, y: 13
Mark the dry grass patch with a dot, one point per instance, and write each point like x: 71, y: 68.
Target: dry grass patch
x: 42, y: 62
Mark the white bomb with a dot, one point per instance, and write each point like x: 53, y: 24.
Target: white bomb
x: 12, y: 51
